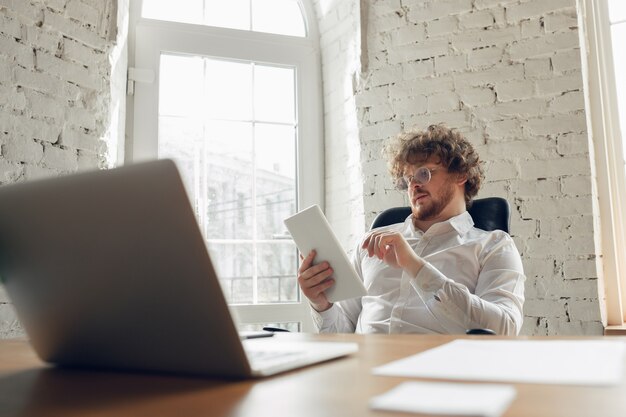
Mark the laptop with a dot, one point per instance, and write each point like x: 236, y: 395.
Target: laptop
x: 108, y: 269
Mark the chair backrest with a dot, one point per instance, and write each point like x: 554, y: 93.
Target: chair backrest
x: 491, y: 213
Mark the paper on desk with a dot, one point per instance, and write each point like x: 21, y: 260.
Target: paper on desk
x: 575, y: 362
x: 487, y: 400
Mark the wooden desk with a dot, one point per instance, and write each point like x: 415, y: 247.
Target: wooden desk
x: 338, y: 388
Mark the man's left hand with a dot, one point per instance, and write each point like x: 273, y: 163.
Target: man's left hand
x: 393, y: 249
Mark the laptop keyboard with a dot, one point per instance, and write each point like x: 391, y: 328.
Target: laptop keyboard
x: 263, y: 359
x: 267, y: 356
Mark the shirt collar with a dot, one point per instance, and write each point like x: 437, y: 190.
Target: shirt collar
x: 462, y: 223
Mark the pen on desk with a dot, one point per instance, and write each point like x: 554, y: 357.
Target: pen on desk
x: 255, y: 335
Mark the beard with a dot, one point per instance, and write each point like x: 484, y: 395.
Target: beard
x: 438, y: 202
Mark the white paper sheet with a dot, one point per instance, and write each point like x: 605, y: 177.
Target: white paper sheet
x: 575, y: 362
x: 487, y: 400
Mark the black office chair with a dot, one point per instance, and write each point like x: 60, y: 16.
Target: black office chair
x: 491, y: 213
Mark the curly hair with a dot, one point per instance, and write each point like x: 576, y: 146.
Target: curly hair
x: 453, y: 151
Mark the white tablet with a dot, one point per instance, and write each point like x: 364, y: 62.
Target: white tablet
x: 310, y: 230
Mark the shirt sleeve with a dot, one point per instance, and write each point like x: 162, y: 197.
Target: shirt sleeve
x: 497, y: 302
x: 340, y: 318
x: 343, y: 316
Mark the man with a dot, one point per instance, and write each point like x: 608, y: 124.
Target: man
x: 434, y: 273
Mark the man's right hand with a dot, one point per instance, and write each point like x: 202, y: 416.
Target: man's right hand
x: 314, y: 280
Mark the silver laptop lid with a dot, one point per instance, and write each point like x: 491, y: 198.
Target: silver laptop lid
x: 109, y: 269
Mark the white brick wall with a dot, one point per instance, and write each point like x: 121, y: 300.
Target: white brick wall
x: 55, y: 99
x: 338, y: 22
x: 507, y: 73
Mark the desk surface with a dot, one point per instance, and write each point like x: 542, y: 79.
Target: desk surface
x: 341, y: 387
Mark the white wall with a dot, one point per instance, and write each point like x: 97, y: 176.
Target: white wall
x: 340, y: 44
x: 507, y: 73
x: 55, y: 99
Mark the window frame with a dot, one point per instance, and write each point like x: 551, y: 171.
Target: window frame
x: 148, y: 38
x: 607, y: 153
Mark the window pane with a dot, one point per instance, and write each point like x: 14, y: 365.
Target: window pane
x: 275, y: 150
x: 233, y: 14
x: 229, y: 89
x: 229, y: 170
x: 618, y: 34
x: 276, y: 272
x: 282, y: 17
x: 274, y: 99
x: 187, y: 11
x: 179, y: 80
x: 181, y: 139
x: 233, y: 265
x: 617, y: 10
x: 240, y: 173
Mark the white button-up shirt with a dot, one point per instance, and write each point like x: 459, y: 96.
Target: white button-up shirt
x: 471, y: 279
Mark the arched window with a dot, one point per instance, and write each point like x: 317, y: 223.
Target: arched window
x: 282, y: 17
x: 231, y: 91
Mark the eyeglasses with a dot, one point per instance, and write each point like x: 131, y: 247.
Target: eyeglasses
x: 422, y: 176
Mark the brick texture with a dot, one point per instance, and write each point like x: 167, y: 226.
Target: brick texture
x: 507, y: 73
x: 54, y: 58
x: 340, y: 44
